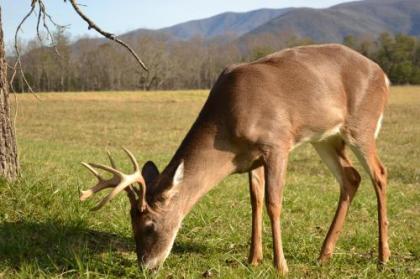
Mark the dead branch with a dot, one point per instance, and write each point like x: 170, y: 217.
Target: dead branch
x: 47, y: 17
x: 18, y: 62
x: 43, y: 17
x: 112, y: 37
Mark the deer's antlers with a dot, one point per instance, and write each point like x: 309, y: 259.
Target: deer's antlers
x: 119, y: 181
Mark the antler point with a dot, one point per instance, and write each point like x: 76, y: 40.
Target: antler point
x: 85, y: 194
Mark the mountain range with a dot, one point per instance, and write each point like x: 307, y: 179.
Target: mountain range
x: 369, y: 17
x: 225, y: 24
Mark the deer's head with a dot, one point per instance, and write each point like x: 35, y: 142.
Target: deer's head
x: 154, y: 222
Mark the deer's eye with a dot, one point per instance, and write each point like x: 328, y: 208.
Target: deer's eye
x: 149, y: 227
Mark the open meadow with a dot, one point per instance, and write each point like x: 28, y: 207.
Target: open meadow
x: 46, y: 232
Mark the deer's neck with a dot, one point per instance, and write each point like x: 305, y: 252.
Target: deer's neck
x: 207, y: 160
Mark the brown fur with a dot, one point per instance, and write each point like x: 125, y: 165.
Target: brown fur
x: 254, y: 116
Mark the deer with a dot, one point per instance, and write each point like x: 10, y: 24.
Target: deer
x: 256, y: 113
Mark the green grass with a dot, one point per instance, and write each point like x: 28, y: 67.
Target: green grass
x: 46, y: 232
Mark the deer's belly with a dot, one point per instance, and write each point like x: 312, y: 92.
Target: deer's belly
x: 317, y: 136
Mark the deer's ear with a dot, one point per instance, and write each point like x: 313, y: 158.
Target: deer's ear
x: 176, y: 180
x: 179, y: 175
x: 149, y: 172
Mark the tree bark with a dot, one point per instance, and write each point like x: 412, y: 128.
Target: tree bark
x: 9, y: 164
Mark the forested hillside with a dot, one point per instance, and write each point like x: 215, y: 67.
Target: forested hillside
x: 178, y: 59
x: 361, y: 18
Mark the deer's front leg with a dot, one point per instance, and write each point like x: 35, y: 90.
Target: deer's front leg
x: 275, y: 170
x: 256, y: 188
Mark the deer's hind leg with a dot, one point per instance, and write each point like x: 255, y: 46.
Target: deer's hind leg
x: 332, y: 152
x: 361, y: 134
x: 256, y: 188
x: 368, y: 157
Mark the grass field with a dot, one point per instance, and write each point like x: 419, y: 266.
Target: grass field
x: 46, y: 232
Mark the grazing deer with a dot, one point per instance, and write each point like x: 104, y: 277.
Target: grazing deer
x: 255, y: 115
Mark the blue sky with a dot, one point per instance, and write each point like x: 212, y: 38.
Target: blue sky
x: 119, y: 16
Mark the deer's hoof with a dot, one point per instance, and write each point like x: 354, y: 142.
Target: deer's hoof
x: 255, y: 261
x: 324, y: 258
x: 282, y: 268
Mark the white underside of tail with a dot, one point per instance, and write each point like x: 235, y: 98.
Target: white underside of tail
x: 387, y: 81
x: 378, y: 126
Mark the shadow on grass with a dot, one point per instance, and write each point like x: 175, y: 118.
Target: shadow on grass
x: 182, y: 247
x: 54, y: 246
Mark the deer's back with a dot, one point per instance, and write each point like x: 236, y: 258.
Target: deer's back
x: 296, y: 92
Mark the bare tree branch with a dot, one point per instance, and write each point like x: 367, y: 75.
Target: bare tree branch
x: 47, y: 17
x: 18, y: 62
x: 44, y: 18
x: 112, y: 37
x: 37, y: 25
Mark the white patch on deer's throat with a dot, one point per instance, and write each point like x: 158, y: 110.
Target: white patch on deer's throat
x: 379, y: 125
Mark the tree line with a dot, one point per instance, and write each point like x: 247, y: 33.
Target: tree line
x: 94, y: 64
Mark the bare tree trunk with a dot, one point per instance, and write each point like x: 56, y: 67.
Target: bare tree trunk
x: 9, y: 165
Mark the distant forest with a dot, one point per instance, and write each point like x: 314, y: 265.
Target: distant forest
x: 94, y: 64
